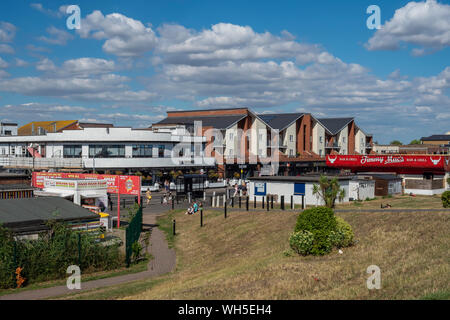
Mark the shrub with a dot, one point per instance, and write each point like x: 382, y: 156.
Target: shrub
x: 320, y: 221
x: 48, y: 257
x: 445, y: 197
x: 343, y: 235
x: 301, y: 242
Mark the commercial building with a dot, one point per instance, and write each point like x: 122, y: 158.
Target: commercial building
x: 8, y: 129
x: 102, y: 148
x: 437, y: 139
x: 420, y: 174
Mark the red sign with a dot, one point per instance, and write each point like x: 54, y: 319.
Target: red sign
x: 397, y: 163
x: 116, y: 183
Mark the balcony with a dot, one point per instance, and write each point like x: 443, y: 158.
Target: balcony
x: 332, y: 146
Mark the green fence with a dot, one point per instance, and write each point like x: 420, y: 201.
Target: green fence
x: 132, y: 234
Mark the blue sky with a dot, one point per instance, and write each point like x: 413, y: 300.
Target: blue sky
x: 131, y: 61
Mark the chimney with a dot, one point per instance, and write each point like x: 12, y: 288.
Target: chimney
x: 32, y: 129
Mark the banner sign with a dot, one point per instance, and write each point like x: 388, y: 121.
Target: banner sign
x: 116, y: 183
x: 390, y: 162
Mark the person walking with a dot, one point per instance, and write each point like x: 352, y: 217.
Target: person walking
x: 148, y: 196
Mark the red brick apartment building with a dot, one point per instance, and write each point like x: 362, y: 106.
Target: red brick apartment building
x: 242, y: 141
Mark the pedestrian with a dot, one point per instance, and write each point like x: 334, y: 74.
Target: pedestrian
x: 165, y: 199
x: 148, y: 195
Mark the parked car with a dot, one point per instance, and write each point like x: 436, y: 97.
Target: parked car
x: 152, y: 187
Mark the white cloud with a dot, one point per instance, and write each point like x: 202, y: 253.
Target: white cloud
x: 3, y: 63
x: 21, y: 63
x: 124, y: 36
x: 5, y: 48
x: 58, y: 36
x: 53, y: 13
x: 424, y: 24
x: 7, y: 31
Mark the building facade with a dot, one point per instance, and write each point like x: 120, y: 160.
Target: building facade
x: 104, y: 148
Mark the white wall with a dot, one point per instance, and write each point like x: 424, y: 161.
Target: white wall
x: 286, y: 189
x: 342, y: 140
x: 291, y: 145
x: 366, y: 189
x: 360, y: 142
x: 318, y: 139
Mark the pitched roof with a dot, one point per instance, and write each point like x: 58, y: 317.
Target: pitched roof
x: 48, y: 126
x: 281, y: 120
x: 39, y: 210
x: 437, y: 137
x: 219, y: 122
x: 335, y: 125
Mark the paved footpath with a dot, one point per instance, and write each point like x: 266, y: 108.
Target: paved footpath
x: 163, y: 262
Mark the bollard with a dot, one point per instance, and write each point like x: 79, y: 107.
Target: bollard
x: 271, y: 202
x: 239, y: 202
x: 254, y: 202
x: 224, y: 199
x: 225, y: 210
x: 282, y: 202
x: 292, y: 202
x: 267, y: 199
x: 232, y: 202
x: 246, y: 204
x: 204, y: 195
x: 173, y: 227
x: 201, y: 217
x: 303, y: 202
x: 262, y: 202
x: 212, y: 201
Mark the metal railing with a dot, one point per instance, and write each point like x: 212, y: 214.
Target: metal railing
x: 40, y: 163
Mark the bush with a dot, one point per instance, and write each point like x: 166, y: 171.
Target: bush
x: 48, y: 257
x: 320, y: 221
x: 343, y: 235
x: 301, y: 242
x: 445, y: 197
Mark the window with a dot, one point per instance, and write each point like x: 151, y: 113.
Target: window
x: 161, y: 149
x: 343, y: 139
x: 142, y: 151
x: 8, y: 133
x: 13, y: 150
x: 106, y: 151
x: 320, y: 139
x: 291, y: 138
x: 231, y: 135
x: 320, y: 152
x: 72, y: 151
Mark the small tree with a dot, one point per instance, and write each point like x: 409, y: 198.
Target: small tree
x: 415, y: 141
x: 329, y: 191
x: 396, y: 143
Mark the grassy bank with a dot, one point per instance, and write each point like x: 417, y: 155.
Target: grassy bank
x: 246, y: 257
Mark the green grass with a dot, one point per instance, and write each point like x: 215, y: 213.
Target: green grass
x: 247, y: 256
x: 440, y: 295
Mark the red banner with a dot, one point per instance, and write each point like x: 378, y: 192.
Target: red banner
x: 397, y: 163
x: 116, y: 183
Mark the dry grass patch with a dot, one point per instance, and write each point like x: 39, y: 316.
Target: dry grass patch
x: 397, y: 202
x: 243, y: 257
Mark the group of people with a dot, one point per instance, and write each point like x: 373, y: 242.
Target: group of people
x: 194, y: 207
